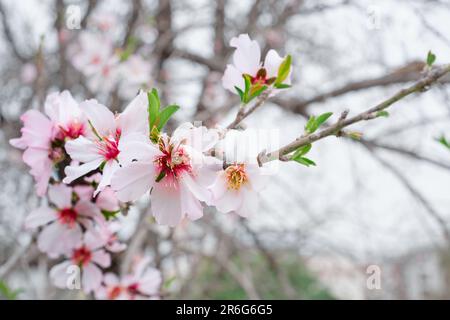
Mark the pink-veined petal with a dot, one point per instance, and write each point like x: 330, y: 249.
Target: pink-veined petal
x: 74, y: 172
x: 132, y: 181
x: 40, y: 217
x: 165, y: 204
x: 60, y: 195
x: 83, y: 150
x: 101, y: 118
x: 134, y: 117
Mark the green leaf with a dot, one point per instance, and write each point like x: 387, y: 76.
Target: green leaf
x: 304, y: 161
x: 7, y: 292
x: 284, y: 69
x: 248, y: 85
x: 129, y: 50
x: 240, y: 92
x: 282, y: 85
x: 431, y: 58
x: 169, y: 282
x: 302, y: 151
x: 256, y: 93
x: 383, y: 113
x: 110, y: 214
x: 165, y: 115
x: 323, y: 118
x: 315, y: 122
x: 153, y: 108
x: 442, y: 140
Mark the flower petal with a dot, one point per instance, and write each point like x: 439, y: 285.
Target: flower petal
x: 102, y: 258
x: 132, y: 181
x: 74, y: 172
x: 91, y: 278
x: 166, y: 204
x: 247, y: 57
x: 134, y: 117
x: 60, y: 195
x: 101, y: 118
x: 232, y: 78
x: 39, y: 217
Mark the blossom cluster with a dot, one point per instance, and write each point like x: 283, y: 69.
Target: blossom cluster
x: 90, y: 163
x: 106, y: 67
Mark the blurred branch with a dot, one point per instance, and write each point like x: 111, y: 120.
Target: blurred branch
x: 91, y: 6
x: 335, y: 130
x: 9, y: 35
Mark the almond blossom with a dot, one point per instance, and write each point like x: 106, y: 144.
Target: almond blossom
x: 102, y: 148
x: 176, y: 171
x: 43, y: 136
x: 236, y: 188
x: 90, y: 257
x: 63, y: 221
x: 247, y: 61
x: 143, y: 283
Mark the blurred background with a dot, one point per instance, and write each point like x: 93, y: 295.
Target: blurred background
x: 368, y: 222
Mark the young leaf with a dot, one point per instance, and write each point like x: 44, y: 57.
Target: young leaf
x: 165, y: 115
x: 284, y: 69
x: 442, y: 140
x: 309, y: 126
x: 431, y: 58
x: 109, y: 214
x: 7, y: 292
x: 282, y: 85
x: 240, y: 92
x: 248, y: 85
x: 383, y: 113
x: 256, y: 92
x: 302, y: 151
x: 323, y: 118
x: 153, y: 107
x: 304, y: 161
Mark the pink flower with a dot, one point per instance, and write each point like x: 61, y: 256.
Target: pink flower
x: 236, y: 188
x: 62, y: 223
x: 102, y: 149
x: 143, y: 283
x: 89, y: 257
x: 107, y: 232
x: 28, y: 73
x: 43, y: 138
x: 247, y: 60
x: 134, y: 73
x: 177, y: 172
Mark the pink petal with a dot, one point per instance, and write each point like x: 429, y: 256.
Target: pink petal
x: 108, y: 171
x: 83, y: 150
x: 150, y: 282
x: 132, y: 181
x: 102, y: 258
x: 56, y: 239
x: 59, y: 275
x: 91, y: 278
x: 40, y: 217
x: 101, y: 117
x: 232, y: 78
x: 272, y: 63
x: 166, y: 204
x: 60, y: 195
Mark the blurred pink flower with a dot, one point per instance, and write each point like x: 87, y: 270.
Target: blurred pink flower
x: 143, y: 283
x: 90, y: 257
x: 62, y: 223
x: 247, y: 60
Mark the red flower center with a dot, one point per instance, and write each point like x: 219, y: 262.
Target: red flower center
x: 95, y: 59
x: 114, y: 292
x: 72, y: 131
x: 109, y: 146
x: 82, y: 256
x: 67, y: 216
x: 172, y: 164
x: 133, y: 289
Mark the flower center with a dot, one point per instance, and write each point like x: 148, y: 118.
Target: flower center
x: 109, y: 146
x: 67, y: 216
x: 114, y: 292
x: 261, y: 78
x: 172, y: 164
x: 72, y: 131
x: 133, y: 289
x: 82, y: 256
x: 95, y: 59
x: 236, y: 176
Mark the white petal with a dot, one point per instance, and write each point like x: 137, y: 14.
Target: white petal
x: 136, y: 147
x: 83, y: 150
x: 74, y: 172
x: 249, y: 204
x: 101, y: 117
x: 108, y: 171
x: 59, y: 274
x: 39, y: 217
x: 166, y: 205
x: 200, y: 192
x: 190, y: 206
x: 150, y: 282
x: 91, y: 278
x: 87, y: 209
x: 232, y: 78
x: 272, y: 63
x: 247, y: 57
x: 132, y: 181
x: 134, y: 118
x: 60, y: 195
x: 110, y: 279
